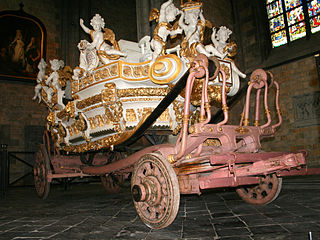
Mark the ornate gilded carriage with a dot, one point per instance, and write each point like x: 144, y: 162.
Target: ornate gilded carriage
x: 113, y: 103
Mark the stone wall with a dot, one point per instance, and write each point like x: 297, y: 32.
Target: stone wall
x: 300, y: 107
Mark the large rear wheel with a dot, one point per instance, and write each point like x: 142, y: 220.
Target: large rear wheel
x: 112, y: 182
x: 41, y: 169
x: 265, y: 192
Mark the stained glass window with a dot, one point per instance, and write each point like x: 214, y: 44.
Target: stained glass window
x: 297, y: 31
x: 274, y: 9
x: 276, y: 23
x: 292, y: 3
x: 314, y: 8
x: 279, y: 38
x: 290, y: 20
x: 315, y: 24
x: 314, y: 14
x: 294, y: 16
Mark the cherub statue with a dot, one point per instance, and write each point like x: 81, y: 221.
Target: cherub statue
x: 88, y: 59
x: 220, y: 41
x: 40, y: 77
x: 53, y: 82
x: 193, y: 24
x: 168, y: 13
x: 104, y: 50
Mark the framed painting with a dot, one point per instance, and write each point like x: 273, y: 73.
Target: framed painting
x: 22, y: 45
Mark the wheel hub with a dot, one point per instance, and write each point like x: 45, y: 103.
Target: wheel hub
x: 148, y: 191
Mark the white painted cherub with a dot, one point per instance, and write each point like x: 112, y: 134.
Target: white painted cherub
x: 88, y: 59
x: 168, y: 13
x: 192, y: 22
x: 220, y: 39
x: 53, y: 81
x: 97, y: 36
x: 40, y: 77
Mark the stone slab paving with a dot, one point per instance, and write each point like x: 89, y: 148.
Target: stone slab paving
x: 86, y: 212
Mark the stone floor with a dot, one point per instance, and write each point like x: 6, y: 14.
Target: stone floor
x: 85, y: 211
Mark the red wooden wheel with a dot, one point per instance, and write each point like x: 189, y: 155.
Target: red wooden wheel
x: 155, y: 191
x: 41, y: 169
x: 112, y: 182
x: 265, y: 192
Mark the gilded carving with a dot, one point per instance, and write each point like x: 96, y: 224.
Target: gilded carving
x: 164, y: 116
x: 89, y: 101
x: 140, y: 71
x: 242, y: 130
x: 91, y: 121
x: 51, y: 118
x: 226, y: 70
x: 106, y: 119
x: 93, y: 107
x: 114, y: 70
x: 141, y: 100
x: 178, y: 111
x: 80, y: 123
x: 74, y: 86
x: 102, y: 74
x: 96, y: 145
x: 127, y: 71
x: 109, y: 93
x: 62, y: 114
x: 131, y: 115
x: 135, y: 92
x: 214, y: 93
x: 70, y: 130
x: 212, y: 142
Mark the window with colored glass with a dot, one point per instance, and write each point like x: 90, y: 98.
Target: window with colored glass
x: 290, y: 20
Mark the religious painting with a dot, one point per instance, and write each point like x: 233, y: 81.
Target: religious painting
x: 22, y: 45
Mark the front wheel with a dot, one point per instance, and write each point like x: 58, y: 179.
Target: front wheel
x: 155, y: 191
